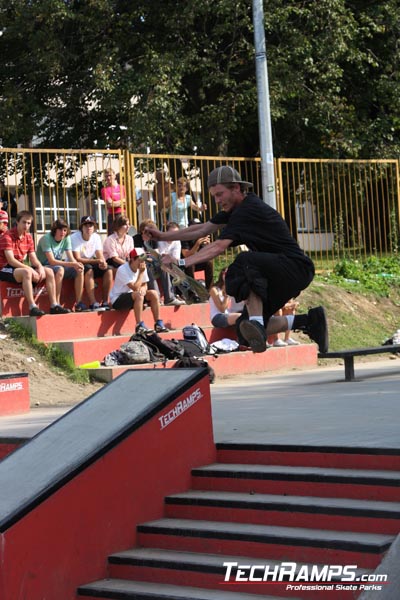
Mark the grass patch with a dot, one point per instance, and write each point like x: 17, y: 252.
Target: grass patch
x: 54, y: 356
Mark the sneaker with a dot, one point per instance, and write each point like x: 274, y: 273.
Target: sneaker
x: 106, y: 305
x: 255, y: 335
x: 291, y: 342
x: 141, y: 329
x: 95, y: 306
x: 175, y: 302
x: 159, y: 327
x: 59, y: 310
x: 317, y: 328
x: 80, y: 307
x: 279, y: 343
x: 36, y: 312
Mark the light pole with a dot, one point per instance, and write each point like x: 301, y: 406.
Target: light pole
x: 264, y: 114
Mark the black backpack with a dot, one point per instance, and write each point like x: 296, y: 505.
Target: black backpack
x: 169, y: 349
x: 187, y: 362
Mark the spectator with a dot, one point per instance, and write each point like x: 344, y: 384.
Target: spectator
x: 88, y: 250
x: 138, y: 240
x: 130, y: 290
x: 161, y: 195
x: 191, y: 247
x: 3, y: 222
x: 117, y: 246
x: 224, y: 310
x: 174, y: 249
x: 179, y: 202
x: 15, y: 245
x: 114, y: 196
x: 52, y: 249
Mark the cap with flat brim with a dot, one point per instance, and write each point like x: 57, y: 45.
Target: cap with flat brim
x: 225, y: 175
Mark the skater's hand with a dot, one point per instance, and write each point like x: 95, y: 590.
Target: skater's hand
x: 153, y: 232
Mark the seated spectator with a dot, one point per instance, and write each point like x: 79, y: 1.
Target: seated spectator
x: 224, y: 310
x: 3, y: 222
x: 114, y: 196
x: 117, y: 246
x: 88, y: 250
x: 193, y: 246
x: 130, y: 290
x: 179, y: 203
x: 52, y: 249
x: 138, y: 241
x: 174, y: 249
x: 16, y: 245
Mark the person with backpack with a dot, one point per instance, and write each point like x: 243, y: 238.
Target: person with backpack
x: 272, y: 271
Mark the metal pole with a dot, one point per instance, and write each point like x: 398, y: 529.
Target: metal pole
x: 264, y: 115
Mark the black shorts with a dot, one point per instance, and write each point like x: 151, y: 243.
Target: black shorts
x: 123, y: 302
x: 275, y: 278
x: 7, y: 274
x: 97, y: 272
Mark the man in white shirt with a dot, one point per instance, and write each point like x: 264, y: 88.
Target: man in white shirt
x: 87, y: 249
x: 130, y: 291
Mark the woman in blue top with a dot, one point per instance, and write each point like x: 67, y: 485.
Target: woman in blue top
x: 180, y: 202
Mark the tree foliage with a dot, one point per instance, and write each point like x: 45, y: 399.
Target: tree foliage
x: 179, y: 77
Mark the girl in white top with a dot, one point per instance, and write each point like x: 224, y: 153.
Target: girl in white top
x: 224, y: 310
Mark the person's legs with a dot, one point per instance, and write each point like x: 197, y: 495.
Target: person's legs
x: 108, y: 279
x: 58, y: 279
x: 153, y: 299
x: 89, y: 283
x: 25, y: 278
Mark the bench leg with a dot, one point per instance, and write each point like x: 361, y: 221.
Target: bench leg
x: 349, y: 368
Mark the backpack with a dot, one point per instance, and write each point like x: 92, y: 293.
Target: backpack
x: 187, y: 362
x: 194, y: 333
x: 135, y: 352
x: 168, y: 348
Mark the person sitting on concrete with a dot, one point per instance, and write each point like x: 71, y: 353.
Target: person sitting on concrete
x: 16, y: 245
x: 117, y: 246
x: 130, y: 290
x: 55, y: 251
x: 224, y: 310
x: 174, y: 249
x: 87, y: 249
x: 3, y: 221
x: 191, y: 247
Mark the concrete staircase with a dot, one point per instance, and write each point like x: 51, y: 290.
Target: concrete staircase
x: 90, y: 336
x: 261, y: 506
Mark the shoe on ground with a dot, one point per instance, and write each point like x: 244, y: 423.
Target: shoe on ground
x: 36, y: 312
x: 59, y: 310
x: 160, y: 328
x: 106, y: 306
x: 95, y: 306
x: 80, y: 307
x: 141, y: 329
x: 255, y: 335
x: 279, y: 343
x: 175, y: 302
x: 291, y: 342
x: 317, y: 328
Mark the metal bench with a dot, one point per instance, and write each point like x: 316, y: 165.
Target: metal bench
x: 348, y: 357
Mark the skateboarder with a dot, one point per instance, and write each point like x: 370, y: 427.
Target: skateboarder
x: 273, y: 271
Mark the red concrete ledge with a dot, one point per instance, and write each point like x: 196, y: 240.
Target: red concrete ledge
x: 14, y: 393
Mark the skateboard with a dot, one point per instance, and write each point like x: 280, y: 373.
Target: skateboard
x: 189, y: 287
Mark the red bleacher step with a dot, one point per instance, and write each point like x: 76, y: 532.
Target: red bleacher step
x: 14, y: 393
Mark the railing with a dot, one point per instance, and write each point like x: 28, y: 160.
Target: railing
x: 334, y: 208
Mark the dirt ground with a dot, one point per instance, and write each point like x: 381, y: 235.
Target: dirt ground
x: 47, y: 386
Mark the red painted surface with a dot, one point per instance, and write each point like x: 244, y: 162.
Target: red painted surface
x: 332, y: 556
x: 65, y: 540
x: 299, y: 488
x: 7, y: 448
x: 285, y: 518
x: 339, y: 460
x: 14, y: 394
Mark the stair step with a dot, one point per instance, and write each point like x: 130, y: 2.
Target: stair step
x: 299, y: 481
x: 306, y: 545
x: 138, y: 590
x: 208, y: 570
x: 291, y: 511
x: 232, y: 363
x: 344, y: 457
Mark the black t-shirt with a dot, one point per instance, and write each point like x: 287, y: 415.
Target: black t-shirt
x: 260, y: 227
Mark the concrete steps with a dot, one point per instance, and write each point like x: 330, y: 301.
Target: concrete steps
x: 211, y: 538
